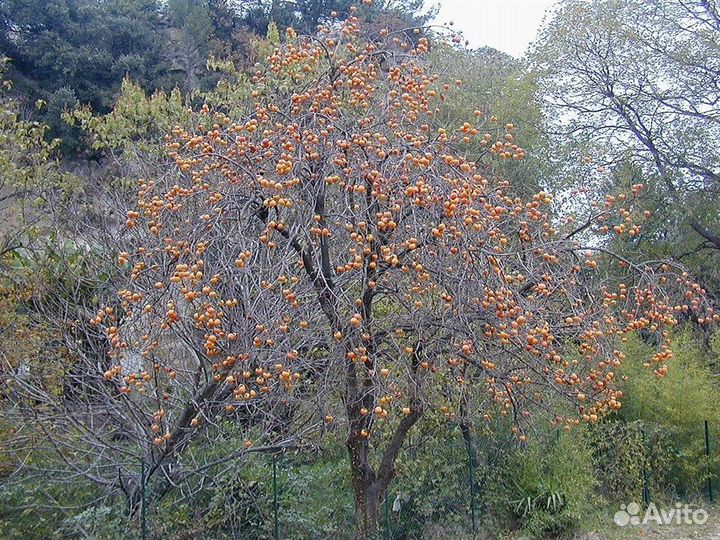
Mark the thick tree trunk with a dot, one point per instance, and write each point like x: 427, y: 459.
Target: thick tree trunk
x: 368, y: 485
x: 367, y: 511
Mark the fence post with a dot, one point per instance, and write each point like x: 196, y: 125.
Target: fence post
x: 388, y: 530
x: 143, y: 500
x: 645, y: 488
x: 471, y: 471
x: 707, y: 455
x: 275, y: 498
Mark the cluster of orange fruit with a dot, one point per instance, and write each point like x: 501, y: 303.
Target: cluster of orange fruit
x: 367, y: 223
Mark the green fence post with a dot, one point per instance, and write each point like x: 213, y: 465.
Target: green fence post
x: 645, y: 488
x: 707, y: 455
x: 471, y: 471
x: 143, y: 500
x: 275, y: 498
x: 388, y: 530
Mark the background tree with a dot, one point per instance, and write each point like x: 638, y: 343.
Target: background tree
x: 199, y: 30
x: 305, y: 16
x: 191, y: 28
x: 65, y: 51
x: 632, y: 86
x: 257, y: 14
x: 500, y: 89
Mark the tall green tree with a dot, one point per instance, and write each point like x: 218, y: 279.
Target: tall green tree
x: 305, y: 15
x: 84, y: 45
x: 632, y: 85
x: 191, y: 28
x: 496, y: 87
x: 64, y: 51
x: 302, y: 15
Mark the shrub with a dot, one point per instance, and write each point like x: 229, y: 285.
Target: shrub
x: 673, y: 411
x: 548, y: 487
x: 631, y: 455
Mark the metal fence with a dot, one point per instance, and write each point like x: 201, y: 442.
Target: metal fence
x: 288, y: 484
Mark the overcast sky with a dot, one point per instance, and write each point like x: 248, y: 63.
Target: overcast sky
x: 506, y: 25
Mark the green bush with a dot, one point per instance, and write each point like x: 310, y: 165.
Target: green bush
x: 315, y: 495
x: 672, y: 411
x: 548, y: 487
x: 683, y: 398
x: 37, y: 509
x: 544, y: 488
x: 432, y: 486
x: 631, y: 455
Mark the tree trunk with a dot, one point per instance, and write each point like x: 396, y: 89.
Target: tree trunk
x: 368, y: 485
x: 367, y: 511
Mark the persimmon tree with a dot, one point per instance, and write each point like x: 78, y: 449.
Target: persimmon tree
x: 337, y: 246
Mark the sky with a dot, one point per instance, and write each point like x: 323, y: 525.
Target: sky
x: 506, y: 25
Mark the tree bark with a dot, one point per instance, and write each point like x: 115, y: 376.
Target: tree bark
x: 367, y: 511
x: 369, y: 486
x: 365, y: 487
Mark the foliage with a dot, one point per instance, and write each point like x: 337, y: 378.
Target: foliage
x: 628, y: 87
x: 500, y: 89
x: 305, y: 16
x: 657, y: 438
x: 28, y: 165
x: 35, y: 509
x: 552, y: 486
x: 98, y: 522
x: 432, y: 485
x: 673, y: 411
x: 315, y: 494
x: 633, y: 456
x: 135, y: 118
x: 68, y: 50
x: 683, y: 398
x: 192, y: 28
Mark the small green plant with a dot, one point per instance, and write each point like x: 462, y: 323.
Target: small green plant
x: 548, y: 497
x: 548, y: 486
